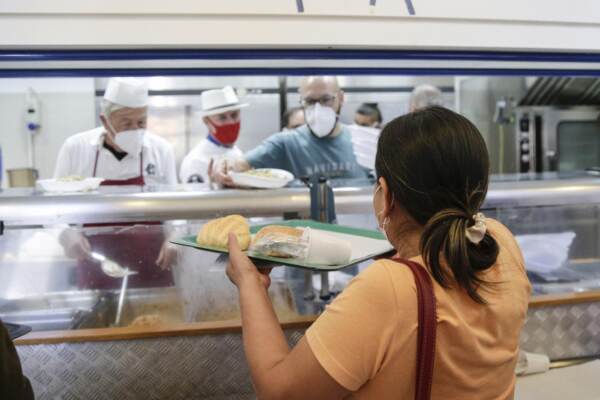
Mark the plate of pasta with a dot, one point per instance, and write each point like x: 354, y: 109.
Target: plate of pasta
x: 262, y: 178
x: 69, y: 184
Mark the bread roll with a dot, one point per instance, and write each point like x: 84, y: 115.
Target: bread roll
x: 215, y: 233
x: 277, y: 233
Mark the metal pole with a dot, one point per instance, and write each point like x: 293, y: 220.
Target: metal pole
x: 309, y: 293
x: 187, y: 115
x: 282, y: 99
x: 324, y: 217
x: 121, y: 298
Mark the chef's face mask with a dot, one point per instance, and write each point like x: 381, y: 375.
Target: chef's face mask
x: 320, y: 119
x: 226, y: 134
x: 130, y: 141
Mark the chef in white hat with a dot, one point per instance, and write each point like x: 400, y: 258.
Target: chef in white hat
x: 221, y: 115
x: 121, y: 151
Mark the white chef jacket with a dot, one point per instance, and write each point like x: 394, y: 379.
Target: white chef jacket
x: 78, y: 154
x: 195, y: 165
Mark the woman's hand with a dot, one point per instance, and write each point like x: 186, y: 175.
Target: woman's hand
x: 240, y: 270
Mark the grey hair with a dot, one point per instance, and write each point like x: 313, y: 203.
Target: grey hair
x: 425, y: 96
x: 108, y: 107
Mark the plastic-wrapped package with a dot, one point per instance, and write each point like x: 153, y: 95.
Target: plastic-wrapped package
x: 280, y: 241
x: 310, y: 245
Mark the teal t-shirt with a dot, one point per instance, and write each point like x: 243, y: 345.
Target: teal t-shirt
x: 303, y: 154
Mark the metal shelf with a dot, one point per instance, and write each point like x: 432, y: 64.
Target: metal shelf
x: 31, y: 208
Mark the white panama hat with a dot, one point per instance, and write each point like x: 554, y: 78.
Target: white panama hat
x: 218, y: 101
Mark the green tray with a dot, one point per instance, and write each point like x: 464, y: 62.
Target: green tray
x: 366, y: 244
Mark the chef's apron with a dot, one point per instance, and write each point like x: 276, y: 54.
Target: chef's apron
x: 135, y: 247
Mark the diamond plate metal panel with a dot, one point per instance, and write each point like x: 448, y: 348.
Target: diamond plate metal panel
x: 214, y: 367
x: 564, y: 331
x: 188, y: 367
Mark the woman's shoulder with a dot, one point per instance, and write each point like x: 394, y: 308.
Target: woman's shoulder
x: 391, y: 279
x: 504, y: 237
x: 386, y: 269
x: 497, y: 227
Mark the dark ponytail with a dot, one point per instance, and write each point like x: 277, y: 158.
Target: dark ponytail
x: 436, y: 164
x: 444, y: 236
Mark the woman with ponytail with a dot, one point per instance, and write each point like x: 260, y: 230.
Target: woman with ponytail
x: 441, y: 320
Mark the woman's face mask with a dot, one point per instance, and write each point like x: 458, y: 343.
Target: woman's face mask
x: 381, y: 224
x: 320, y: 119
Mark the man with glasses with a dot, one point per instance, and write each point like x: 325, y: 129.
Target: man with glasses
x: 221, y: 115
x: 321, y: 147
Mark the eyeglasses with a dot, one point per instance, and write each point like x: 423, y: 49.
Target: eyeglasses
x: 325, y: 100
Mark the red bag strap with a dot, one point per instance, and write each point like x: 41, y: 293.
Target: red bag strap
x: 426, y: 331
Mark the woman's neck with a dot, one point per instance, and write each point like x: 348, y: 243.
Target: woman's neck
x: 407, y: 243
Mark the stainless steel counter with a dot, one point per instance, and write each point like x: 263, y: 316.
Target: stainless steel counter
x: 28, y: 207
x: 169, y: 203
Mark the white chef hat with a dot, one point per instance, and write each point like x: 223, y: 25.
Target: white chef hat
x: 127, y: 92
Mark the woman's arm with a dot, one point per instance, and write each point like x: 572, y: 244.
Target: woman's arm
x: 277, y: 372
x: 13, y: 384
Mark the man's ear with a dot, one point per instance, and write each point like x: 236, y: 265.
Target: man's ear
x: 208, y: 124
x: 341, y: 97
x: 105, y: 123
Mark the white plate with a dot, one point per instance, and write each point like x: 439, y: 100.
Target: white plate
x: 278, y: 179
x: 55, y: 185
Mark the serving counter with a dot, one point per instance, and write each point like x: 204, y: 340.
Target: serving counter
x: 187, y: 342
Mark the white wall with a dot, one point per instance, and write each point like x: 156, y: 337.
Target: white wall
x: 67, y: 107
x: 507, y: 10
x: 458, y: 24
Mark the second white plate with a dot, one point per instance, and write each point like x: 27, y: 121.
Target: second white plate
x: 56, y: 185
x: 262, y: 178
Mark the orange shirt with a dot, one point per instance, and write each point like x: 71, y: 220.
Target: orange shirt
x: 366, y: 338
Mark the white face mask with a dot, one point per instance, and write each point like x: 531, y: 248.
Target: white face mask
x: 366, y: 129
x: 381, y: 225
x: 320, y: 119
x: 130, y: 141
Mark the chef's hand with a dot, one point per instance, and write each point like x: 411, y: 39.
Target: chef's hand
x: 167, y: 256
x: 75, y: 244
x: 241, y: 270
x: 218, y: 173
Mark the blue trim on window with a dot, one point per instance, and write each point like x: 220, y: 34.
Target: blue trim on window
x: 300, y: 54
x: 46, y: 73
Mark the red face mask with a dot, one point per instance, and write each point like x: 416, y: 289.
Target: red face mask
x: 226, y: 134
